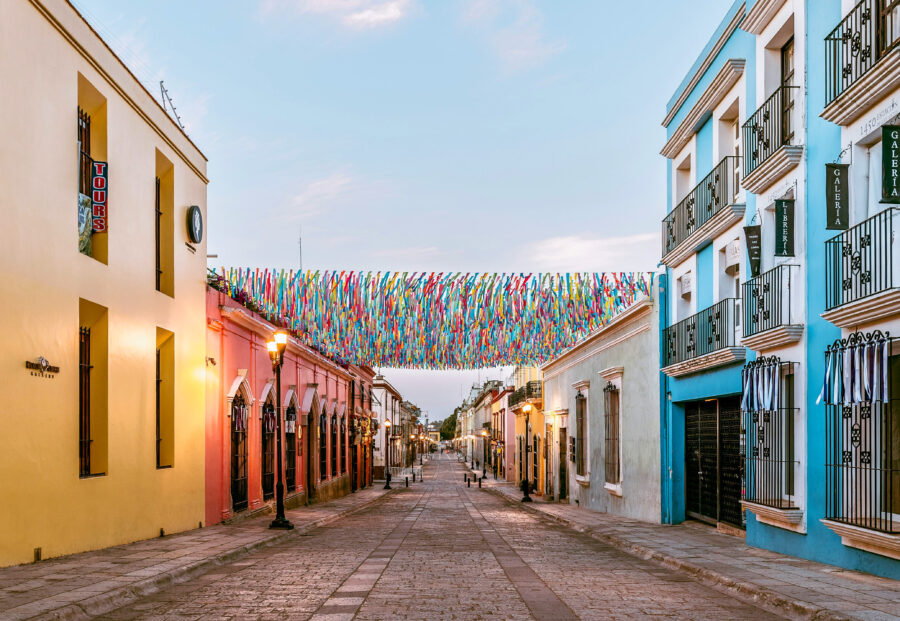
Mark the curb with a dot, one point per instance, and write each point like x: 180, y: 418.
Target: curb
x: 105, y: 602
x: 747, y: 591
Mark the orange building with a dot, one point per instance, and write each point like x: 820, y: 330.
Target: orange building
x: 326, y: 409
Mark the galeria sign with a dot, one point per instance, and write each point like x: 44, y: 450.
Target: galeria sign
x: 890, y: 164
x: 99, y: 196
x: 836, y: 197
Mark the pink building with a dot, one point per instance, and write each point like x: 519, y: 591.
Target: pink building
x: 503, y: 433
x: 326, y: 408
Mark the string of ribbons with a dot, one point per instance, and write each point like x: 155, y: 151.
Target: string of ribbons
x: 435, y: 320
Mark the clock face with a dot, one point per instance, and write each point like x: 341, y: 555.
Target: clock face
x: 195, y: 224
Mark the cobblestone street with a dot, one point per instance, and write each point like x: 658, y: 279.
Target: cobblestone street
x: 440, y: 550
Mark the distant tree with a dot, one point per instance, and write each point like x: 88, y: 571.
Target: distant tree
x: 448, y: 427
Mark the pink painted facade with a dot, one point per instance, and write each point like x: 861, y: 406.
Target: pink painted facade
x: 503, y: 429
x: 326, y: 410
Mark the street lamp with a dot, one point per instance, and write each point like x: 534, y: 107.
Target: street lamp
x: 387, y: 454
x: 276, y: 349
x: 526, y: 484
x: 484, y: 434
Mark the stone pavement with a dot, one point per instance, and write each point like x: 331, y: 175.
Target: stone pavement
x: 83, y: 585
x: 439, y: 550
x: 785, y: 583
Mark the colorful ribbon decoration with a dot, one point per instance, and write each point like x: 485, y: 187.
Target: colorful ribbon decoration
x: 435, y: 320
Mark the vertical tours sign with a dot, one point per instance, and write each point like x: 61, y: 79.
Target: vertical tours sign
x: 837, y: 198
x: 890, y: 164
x: 99, y: 196
x: 784, y: 228
x: 753, y: 235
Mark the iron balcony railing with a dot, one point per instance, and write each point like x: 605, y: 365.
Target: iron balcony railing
x: 530, y: 391
x: 766, y: 299
x: 769, y: 128
x: 718, y: 189
x: 860, y: 262
x: 708, y: 331
x: 869, y: 31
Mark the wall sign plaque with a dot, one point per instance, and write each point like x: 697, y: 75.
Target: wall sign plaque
x: 195, y: 224
x: 41, y: 367
x: 890, y: 164
x: 837, y: 197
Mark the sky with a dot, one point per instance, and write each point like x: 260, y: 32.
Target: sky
x: 422, y: 135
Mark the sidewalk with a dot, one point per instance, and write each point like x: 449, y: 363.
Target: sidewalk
x: 83, y: 585
x: 795, y: 586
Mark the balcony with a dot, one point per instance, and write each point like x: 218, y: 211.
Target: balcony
x: 710, y: 208
x: 859, y: 69
x: 770, y: 148
x: 772, y: 306
x: 862, y: 275
x: 531, y: 392
x: 702, y: 341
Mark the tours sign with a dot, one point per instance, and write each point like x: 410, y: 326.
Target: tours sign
x: 784, y: 228
x: 99, y: 196
x: 890, y: 164
x: 837, y: 216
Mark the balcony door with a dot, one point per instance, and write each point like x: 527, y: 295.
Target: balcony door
x: 787, y: 79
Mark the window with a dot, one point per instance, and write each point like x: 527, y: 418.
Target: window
x: 91, y: 133
x: 613, y: 423
x: 165, y: 225
x: 334, y: 445
x: 787, y: 79
x: 343, y: 437
x: 93, y: 377
x: 165, y: 398
x: 323, y: 446
x: 290, y: 440
x: 267, y: 452
x: 580, y: 434
x: 239, y: 419
x: 535, y: 460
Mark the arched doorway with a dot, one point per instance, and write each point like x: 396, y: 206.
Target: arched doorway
x: 239, y: 419
x: 267, y: 448
x: 290, y: 447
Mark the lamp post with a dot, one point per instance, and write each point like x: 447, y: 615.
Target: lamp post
x: 484, y: 435
x: 526, y: 484
x: 276, y: 349
x: 387, y: 454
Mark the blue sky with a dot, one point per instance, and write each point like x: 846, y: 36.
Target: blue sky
x: 481, y: 135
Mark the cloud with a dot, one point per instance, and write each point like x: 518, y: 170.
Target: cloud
x: 514, y: 30
x: 579, y: 253
x: 353, y: 14
x: 409, y: 252
x: 317, y: 196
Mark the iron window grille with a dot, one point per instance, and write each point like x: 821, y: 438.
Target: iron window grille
x: 158, y: 405
x: 334, y: 445
x: 768, y: 444
x: 343, y: 437
x: 84, y: 402
x: 766, y: 299
x: 290, y: 441
x: 323, y: 446
x: 869, y: 31
x: 717, y: 190
x: 703, y: 333
x: 859, y: 262
x: 769, y: 128
x: 239, y: 419
x: 535, y: 460
x: 268, y: 450
x: 862, y: 435
x: 612, y: 420
x: 158, y: 238
x: 580, y: 432
x: 84, y: 153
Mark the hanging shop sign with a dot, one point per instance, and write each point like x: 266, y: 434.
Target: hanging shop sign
x: 837, y: 198
x: 195, y: 224
x: 753, y: 236
x: 99, y: 196
x: 890, y: 164
x: 784, y: 228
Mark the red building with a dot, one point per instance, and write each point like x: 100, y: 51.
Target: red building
x: 327, y: 425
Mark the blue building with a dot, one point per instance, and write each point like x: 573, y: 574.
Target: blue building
x: 782, y: 91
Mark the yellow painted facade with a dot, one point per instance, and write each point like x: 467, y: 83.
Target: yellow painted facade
x: 530, y: 424
x: 52, y: 64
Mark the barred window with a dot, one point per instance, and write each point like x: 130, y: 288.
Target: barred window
x: 323, y: 446
x: 580, y: 434
x: 268, y: 449
x: 612, y: 420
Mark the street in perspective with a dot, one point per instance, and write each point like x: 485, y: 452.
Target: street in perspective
x: 484, y: 309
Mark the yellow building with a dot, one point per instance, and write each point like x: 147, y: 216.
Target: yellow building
x: 104, y: 426
x: 527, y: 404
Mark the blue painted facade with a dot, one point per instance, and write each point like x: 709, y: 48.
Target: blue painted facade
x: 822, y: 144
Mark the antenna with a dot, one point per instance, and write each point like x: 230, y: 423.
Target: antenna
x: 300, y: 243
x: 165, y: 98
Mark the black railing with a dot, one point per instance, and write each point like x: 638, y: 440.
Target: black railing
x: 718, y: 189
x: 158, y: 239
x: 517, y: 397
x: 862, y: 438
x: 770, y: 457
x: 869, y: 31
x: 769, y: 128
x: 611, y: 420
x: 84, y: 153
x: 708, y: 331
x: 84, y: 402
x: 268, y: 450
x: 239, y: 419
x: 860, y: 261
x: 531, y: 390
x: 766, y: 299
x: 290, y: 443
